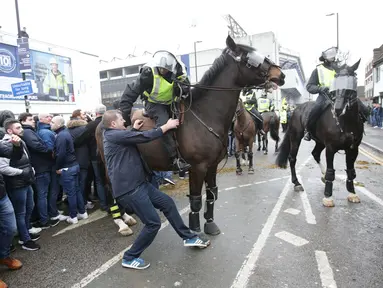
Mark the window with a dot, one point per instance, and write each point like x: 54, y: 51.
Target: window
x: 377, y: 74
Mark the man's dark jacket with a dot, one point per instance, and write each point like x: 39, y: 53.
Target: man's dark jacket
x: 8, y: 150
x: 123, y: 160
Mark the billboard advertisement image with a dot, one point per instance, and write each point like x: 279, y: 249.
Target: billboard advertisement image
x: 51, y: 75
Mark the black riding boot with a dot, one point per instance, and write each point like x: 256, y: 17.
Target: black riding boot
x: 313, y: 117
x: 258, y: 120
x: 178, y: 164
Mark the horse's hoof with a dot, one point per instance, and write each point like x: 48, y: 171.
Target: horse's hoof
x: 298, y: 188
x: 353, y: 198
x: 124, y: 229
x: 265, y: 152
x: 259, y: 149
x: 211, y: 228
x: 323, y: 180
x: 328, y: 202
x: 251, y: 171
x: 238, y: 172
x: 129, y: 220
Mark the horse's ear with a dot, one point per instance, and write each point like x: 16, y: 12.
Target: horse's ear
x: 230, y: 43
x: 354, y: 67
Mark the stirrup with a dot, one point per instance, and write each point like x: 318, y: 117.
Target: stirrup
x: 307, y: 136
x: 262, y: 132
x: 180, y: 165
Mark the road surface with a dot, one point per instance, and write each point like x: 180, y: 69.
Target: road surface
x: 271, y: 237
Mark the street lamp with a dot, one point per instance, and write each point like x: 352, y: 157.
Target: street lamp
x: 195, y: 59
x: 337, y: 28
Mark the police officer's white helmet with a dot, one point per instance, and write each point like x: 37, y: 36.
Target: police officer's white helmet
x: 329, y: 55
x: 165, y: 59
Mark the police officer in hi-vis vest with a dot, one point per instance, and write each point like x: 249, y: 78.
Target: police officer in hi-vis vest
x: 249, y: 99
x: 319, y: 83
x: 156, y: 85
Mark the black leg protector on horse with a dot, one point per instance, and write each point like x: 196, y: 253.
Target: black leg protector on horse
x: 351, y: 175
x: 250, y: 157
x: 238, y: 160
x: 211, y: 196
x: 330, y: 177
x: 195, y: 207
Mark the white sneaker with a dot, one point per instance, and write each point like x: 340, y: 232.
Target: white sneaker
x: 72, y: 220
x: 60, y: 217
x: 34, y: 230
x: 89, y: 205
x: 82, y: 216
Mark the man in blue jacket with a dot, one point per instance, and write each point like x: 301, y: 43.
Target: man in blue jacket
x: 131, y: 188
x: 69, y: 170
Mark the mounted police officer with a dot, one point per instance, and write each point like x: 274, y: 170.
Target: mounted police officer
x: 250, y: 102
x: 264, y: 104
x: 157, y: 88
x: 319, y: 83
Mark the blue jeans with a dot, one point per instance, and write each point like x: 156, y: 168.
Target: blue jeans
x: 99, y: 185
x: 144, y: 201
x: 83, y: 178
x: 159, y: 175
x: 70, y: 180
x: 42, y: 187
x: 22, y: 201
x: 8, y: 226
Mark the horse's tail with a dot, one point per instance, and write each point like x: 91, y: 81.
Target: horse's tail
x: 274, y: 128
x: 284, y: 150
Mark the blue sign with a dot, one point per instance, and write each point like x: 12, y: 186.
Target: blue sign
x: 8, y: 63
x: 24, y: 55
x: 22, y: 88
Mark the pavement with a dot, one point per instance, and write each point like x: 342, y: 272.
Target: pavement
x: 271, y: 237
x: 373, y: 139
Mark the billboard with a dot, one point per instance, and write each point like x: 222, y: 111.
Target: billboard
x: 51, y: 75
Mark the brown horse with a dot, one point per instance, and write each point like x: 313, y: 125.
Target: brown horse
x: 209, y: 110
x: 245, y: 131
x: 270, y: 123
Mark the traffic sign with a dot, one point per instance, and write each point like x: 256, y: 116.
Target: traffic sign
x: 22, y: 88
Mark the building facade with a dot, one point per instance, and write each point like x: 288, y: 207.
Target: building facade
x: 377, y: 65
x: 369, y: 81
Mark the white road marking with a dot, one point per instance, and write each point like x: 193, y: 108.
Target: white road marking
x: 310, y: 217
x: 291, y: 238
x: 230, y: 188
x: 245, y: 185
x: 325, y: 271
x: 97, y: 215
x: 292, y: 211
x: 285, y: 177
x: 363, y: 190
x: 248, y: 265
x: 274, y: 179
x: 104, y: 267
x: 260, y: 182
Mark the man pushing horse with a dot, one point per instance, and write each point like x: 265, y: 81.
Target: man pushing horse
x: 131, y: 188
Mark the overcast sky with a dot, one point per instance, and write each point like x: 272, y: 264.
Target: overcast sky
x: 119, y: 27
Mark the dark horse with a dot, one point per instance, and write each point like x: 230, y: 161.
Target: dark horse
x: 244, y: 131
x: 338, y: 128
x: 208, y: 114
x: 270, y: 123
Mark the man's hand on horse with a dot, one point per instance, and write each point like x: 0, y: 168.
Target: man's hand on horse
x: 138, y: 124
x: 171, y: 124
